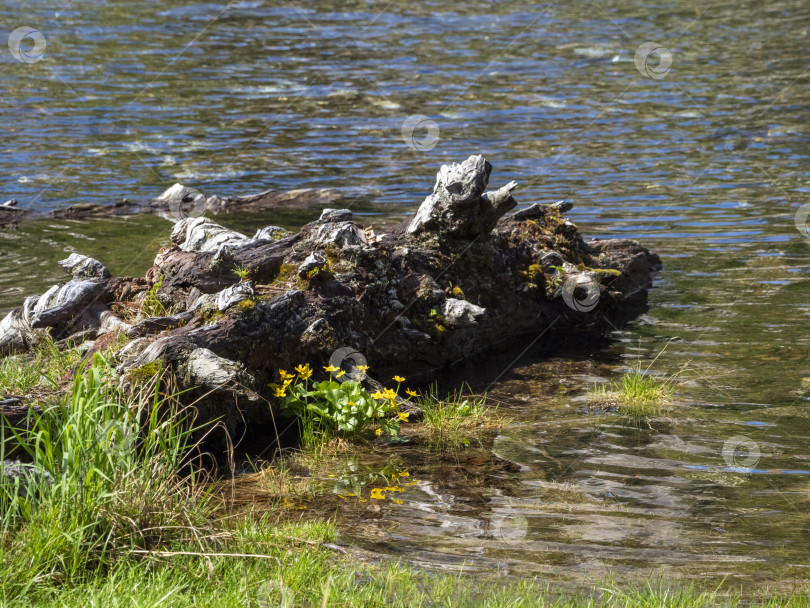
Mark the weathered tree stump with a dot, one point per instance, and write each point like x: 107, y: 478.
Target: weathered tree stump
x: 458, y: 280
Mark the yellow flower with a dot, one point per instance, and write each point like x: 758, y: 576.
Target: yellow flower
x: 280, y: 391
x: 404, y: 474
x: 377, y: 395
x: 399, y: 379
x: 411, y: 393
x: 379, y: 432
x: 363, y: 368
x: 397, y: 500
x: 403, y: 416
x: 390, y: 394
x: 377, y: 494
x: 350, y: 403
x: 340, y: 374
x: 305, y: 371
x: 331, y: 368
x: 284, y: 374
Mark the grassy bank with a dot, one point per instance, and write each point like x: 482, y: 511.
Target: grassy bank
x: 269, y: 564
x: 123, y: 518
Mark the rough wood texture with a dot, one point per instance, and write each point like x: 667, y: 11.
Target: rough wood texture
x: 457, y: 281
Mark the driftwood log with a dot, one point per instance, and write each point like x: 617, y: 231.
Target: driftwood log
x: 460, y: 279
x: 179, y: 202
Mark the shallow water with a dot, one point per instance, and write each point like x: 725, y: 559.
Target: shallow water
x: 706, y: 164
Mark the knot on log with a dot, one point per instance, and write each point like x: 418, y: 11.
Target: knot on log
x: 199, y: 234
x: 63, y: 304
x: 209, y: 371
x: 458, y: 208
x: 83, y: 267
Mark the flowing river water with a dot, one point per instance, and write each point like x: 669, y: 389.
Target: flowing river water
x: 699, y: 152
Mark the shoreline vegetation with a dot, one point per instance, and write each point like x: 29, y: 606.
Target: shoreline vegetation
x: 110, y: 491
x: 638, y: 394
x: 116, y: 507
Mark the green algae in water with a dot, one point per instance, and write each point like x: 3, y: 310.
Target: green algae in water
x: 30, y: 251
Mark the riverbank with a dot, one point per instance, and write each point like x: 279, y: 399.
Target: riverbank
x: 136, y: 522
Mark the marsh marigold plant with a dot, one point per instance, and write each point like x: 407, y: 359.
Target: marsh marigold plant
x: 339, y: 408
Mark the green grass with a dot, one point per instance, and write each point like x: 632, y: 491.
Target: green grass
x: 637, y: 394
x: 456, y: 420
x: 42, y: 368
x: 114, y: 461
x: 151, y: 305
x: 266, y: 568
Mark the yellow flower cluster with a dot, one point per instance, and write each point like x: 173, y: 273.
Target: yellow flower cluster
x: 304, y: 372
x: 391, y: 395
x: 286, y: 380
x: 380, y: 493
x: 387, y: 394
x: 332, y: 369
